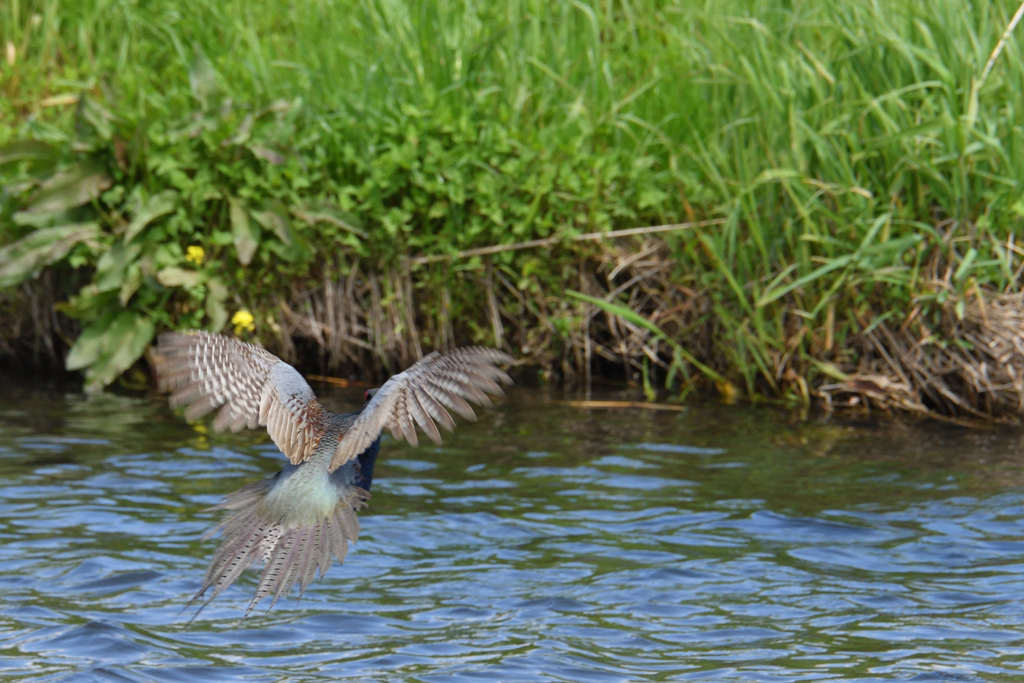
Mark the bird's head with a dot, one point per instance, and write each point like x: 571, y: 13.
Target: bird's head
x: 368, y: 396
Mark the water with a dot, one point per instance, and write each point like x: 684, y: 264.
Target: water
x: 545, y: 543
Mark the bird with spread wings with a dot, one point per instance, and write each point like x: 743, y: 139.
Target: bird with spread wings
x: 296, y: 522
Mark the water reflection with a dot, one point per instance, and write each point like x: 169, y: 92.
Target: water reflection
x: 543, y: 543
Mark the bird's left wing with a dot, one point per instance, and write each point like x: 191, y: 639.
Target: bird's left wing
x: 255, y: 388
x: 421, y: 394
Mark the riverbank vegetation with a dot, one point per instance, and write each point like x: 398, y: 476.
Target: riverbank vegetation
x: 351, y: 183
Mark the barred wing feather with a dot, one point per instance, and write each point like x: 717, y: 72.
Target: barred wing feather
x: 251, y: 386
x: 422, y: 395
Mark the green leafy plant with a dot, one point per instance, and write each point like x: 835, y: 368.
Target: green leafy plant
x: 195, y: 160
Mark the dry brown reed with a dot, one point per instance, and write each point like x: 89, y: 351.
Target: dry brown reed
x: 965, y: 365
x: 31, y: 328
x: 970, y: 367
x: 360, y: 320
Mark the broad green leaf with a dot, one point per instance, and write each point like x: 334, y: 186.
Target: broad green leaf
x: 1018, y: 207
x: 267, y: 154
x: 216, y: 289
x: 216, y: 294
x: 121, y: 343
x: 158, y: 205
x: 178, y: 277
x: 27, y: 150
x: 202, y: 79
x: 323, y: 213
x: 651, y: 196
x: 44, y: 220
x: 242, y: 133
x: 216, y: 314
x: 88, y: 304
x: 96, y: 116
x: 39, y: 249
x: 274, y: 217
x: 127, y: 346
x: 89, y: 345
x: 110, y: 270
x: 132, y: 281
x: 69, y: 188
x: 245, y: 234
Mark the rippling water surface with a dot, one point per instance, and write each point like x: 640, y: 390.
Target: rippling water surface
x: 545, y: 543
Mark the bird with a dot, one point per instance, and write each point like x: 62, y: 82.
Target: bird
x: 296, y: 522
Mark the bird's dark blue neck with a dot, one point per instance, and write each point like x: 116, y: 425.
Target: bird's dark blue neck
x: 366, y: 461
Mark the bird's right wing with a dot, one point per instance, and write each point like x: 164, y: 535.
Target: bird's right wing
x: 421, y: 394
x: 255, y: 388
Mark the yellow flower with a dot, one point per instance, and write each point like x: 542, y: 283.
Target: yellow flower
x: 243, y: 320
x: 195, y: 254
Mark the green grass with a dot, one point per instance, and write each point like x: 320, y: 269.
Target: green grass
x: 846, y: 143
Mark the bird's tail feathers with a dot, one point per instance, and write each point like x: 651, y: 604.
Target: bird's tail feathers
x: 290, y: 553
